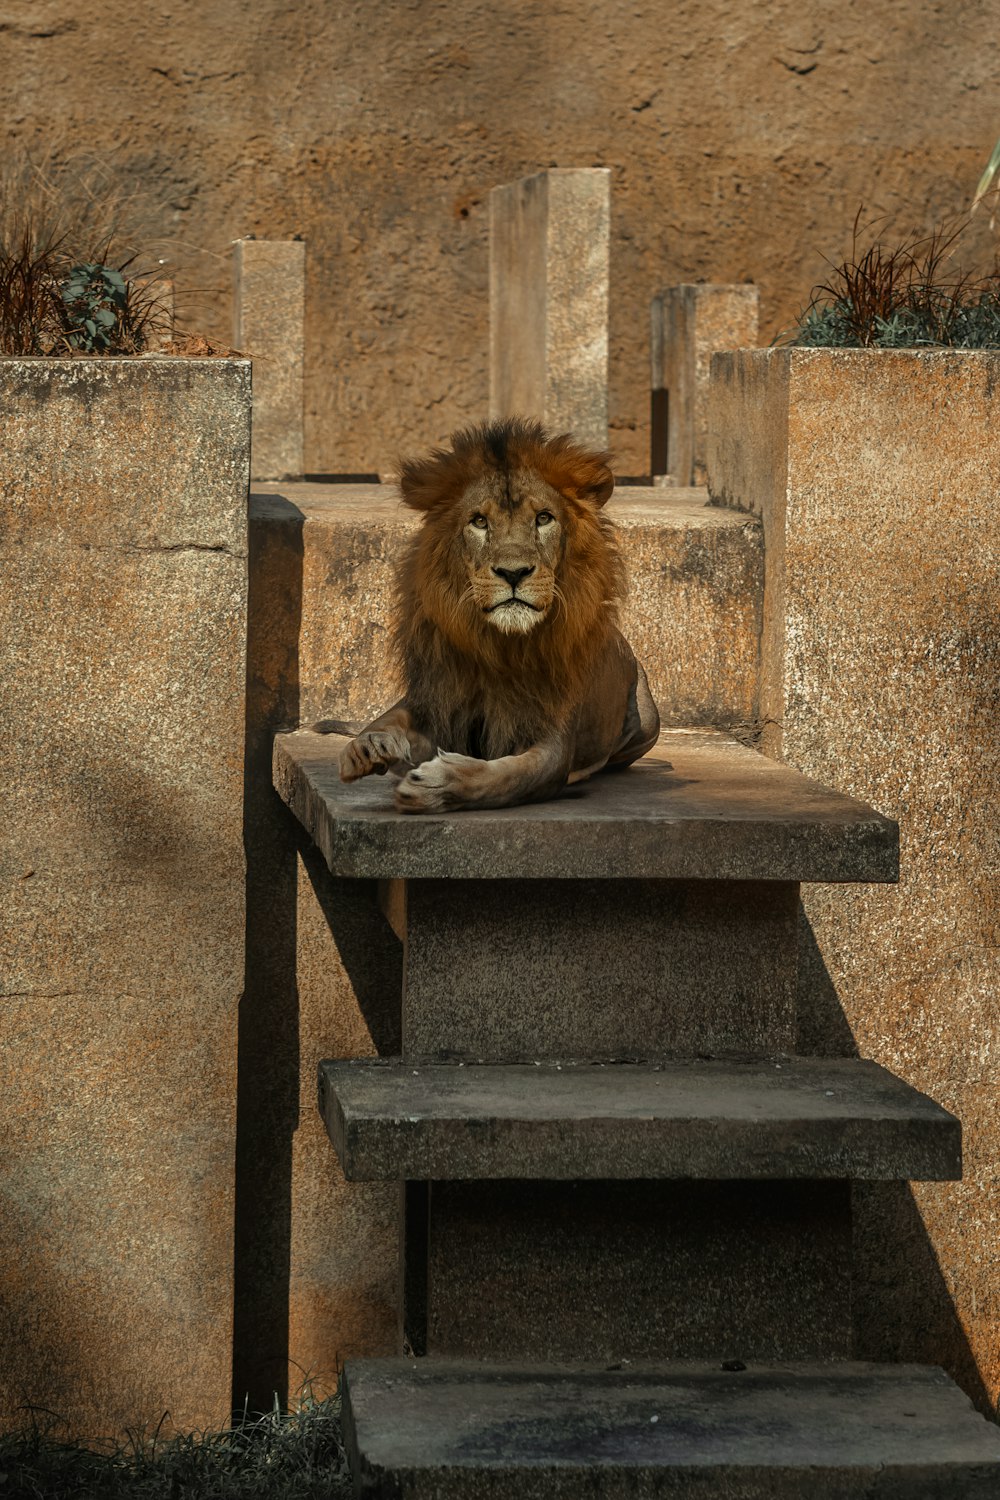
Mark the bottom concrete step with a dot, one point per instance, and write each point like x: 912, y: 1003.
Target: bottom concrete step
x: 427, y: 1430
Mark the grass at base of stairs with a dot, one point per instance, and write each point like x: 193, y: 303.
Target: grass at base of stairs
x: 276, y: 1457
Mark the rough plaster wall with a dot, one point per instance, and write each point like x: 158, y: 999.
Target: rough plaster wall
x: 742, y: 138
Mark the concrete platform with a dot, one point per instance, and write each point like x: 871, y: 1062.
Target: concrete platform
x: 699, y: 807
x: 798, y: 1117
x: 427, y: 1430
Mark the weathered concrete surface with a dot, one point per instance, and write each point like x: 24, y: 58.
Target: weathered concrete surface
x: 645, y: 1270
x: 549, y: 239
x: 316, y: 1258
x: 688, y: 324
x: 269, y: 290
x: 122, y: 628
x: 876, y: 476
x: 699, y: 806
x: 797, y: 1117
x: 742, y: 139
x: 692, y: 615
x: 605, y: 969
x: 419, y: 1429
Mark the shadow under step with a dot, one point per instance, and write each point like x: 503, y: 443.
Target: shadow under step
x: 430, y: 1430
x: 699, y: 806
x: 798, y: 1117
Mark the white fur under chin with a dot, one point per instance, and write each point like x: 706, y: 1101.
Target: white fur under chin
x: 515, y: 618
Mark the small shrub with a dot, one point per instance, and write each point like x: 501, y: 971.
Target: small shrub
x: 901, y: 296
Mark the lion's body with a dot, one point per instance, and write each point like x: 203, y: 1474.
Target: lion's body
x: 517, y: 678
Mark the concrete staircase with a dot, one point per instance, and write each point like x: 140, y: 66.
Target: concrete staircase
x: 625, y: 1207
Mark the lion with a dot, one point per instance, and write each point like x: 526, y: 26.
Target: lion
x: 518, y: 681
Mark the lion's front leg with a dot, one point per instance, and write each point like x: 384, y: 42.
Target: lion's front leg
x: 388, y: 740
x: 450, y: 782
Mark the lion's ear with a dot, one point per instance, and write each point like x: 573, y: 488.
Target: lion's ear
x: 425, y: 482
x: 598, y: 487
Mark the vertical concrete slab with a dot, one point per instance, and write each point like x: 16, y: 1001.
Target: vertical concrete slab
x: 122, y: 632
x: 269, y: 280
x: 549, y: 246
x: 688, y: 324
x: 876, y: 475
x: 693, y: 967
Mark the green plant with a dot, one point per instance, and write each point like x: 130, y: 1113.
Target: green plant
x: 96, y: 302
x: 905, y: 295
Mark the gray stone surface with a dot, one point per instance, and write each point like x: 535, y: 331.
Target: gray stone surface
x: 688, y: 324
x: 507, y: 971
x: 549, y: 248
x: 692, y: 613
x: 698, y: 807
x: 432, y: 1431
x: 123, y: 619
x: 793, y: 1117
x: 640, y: 1270
x: 269, y: 292
x: 877, y: 475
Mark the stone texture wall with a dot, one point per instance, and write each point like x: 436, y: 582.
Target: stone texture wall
x: 122, y: 639
x: 741, y: 139
x: 875, y: 472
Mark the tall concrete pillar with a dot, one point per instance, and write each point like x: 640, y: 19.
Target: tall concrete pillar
x: 549, y: 238
x: 269, y: 278
x: 688, y: 324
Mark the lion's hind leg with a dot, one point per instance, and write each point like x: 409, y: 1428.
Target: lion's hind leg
x: 642, y: 723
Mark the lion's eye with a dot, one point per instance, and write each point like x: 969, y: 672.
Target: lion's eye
x: 479, y: 522
x: 544, y: 518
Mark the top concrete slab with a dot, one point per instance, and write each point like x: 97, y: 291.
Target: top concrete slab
x: 375, y: 504
x: 456, y: 1431
x: 698, y: 807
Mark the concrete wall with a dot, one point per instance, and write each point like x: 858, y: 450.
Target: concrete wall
x: 741, y: 138
x: 122, y: 641
x: 876, y: 474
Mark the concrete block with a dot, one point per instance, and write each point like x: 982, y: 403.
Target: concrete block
x: 875, y: 473
x: 704, y: 1118
x: 692, y: 615
x: 523, y: 970
x: 648, y: 1270
x: 122, y: 632
x: 269, y: 285
x: 433, y: 1430
x: 549, y: 253
x: 699, y: 806
x: 688, y: 324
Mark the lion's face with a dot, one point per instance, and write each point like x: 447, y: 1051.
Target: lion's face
x: 512, y: 538
x: 513, y: 555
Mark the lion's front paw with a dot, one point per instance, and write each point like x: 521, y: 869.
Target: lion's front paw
x: 445, y: 782
x: 373, y: 751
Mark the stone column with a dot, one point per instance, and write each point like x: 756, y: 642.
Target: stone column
x: 688, y: 324
x: 269, y: 328
x: 549, y: 238
x: 122, y: 693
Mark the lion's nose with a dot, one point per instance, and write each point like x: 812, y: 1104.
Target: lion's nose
x: 513, y: 575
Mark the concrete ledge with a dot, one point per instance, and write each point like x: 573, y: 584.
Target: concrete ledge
x: 699, y: 807
x: 462, y: 1431
x: 802, y: 1117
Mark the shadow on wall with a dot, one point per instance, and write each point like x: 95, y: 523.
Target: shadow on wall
x: 267, y: 1108
x: 903, y: 1310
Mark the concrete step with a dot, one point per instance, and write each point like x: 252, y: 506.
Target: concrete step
x: 700, y: 806
x: 323, y: 555
x: 797, y: 1117
x: 427, y: 1430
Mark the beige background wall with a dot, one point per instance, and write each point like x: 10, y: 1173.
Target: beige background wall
x: 742, y: 138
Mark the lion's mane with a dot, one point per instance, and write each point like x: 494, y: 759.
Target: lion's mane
x: 476, y: 690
